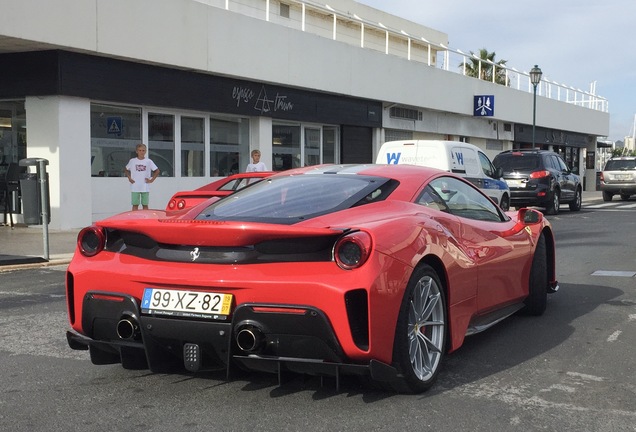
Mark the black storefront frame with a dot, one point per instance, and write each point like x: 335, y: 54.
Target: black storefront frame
x: 45, y: 73
x: 567, y: 144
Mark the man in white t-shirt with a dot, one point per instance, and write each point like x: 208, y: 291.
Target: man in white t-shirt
x: 141, y: 171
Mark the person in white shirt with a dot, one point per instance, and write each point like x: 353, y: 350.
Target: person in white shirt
x: 141, y: 171
x: 256, y: 164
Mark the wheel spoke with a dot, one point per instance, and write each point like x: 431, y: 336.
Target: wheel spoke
x: 422, y: 293
x: 430, y: 307
x: 430, y: 345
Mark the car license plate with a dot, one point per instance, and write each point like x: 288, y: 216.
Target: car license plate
x: 516, y: 183
x: 623, y: 176
x: 191, y: 304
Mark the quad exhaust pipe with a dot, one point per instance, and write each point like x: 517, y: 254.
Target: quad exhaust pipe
x: 128, y: 328
x: 250, y: 339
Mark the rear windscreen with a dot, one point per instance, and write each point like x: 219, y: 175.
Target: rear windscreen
x: 294, y: 198
x: 517, y: 162
x: 620, y: 165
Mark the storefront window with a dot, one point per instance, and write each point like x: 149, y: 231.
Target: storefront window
x: 312, y: 146
x: 285, y: 147
x: 161, y: 142
x: 570, y: 155
x: 228, y: 139
x: 572, y: 158
x: 192, y: 147
x: 115, y: 132
x: 329, y: 144
x: 12, y: 133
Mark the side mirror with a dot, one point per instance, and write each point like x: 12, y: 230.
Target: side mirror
x: 525, y: 217
x: 498, y: 173
x: 530, y: 216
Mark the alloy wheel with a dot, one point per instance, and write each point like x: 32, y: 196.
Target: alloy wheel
x: 426, y: 332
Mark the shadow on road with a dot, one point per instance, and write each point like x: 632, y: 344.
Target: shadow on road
x: 514, y: 341
x: 520, y: 338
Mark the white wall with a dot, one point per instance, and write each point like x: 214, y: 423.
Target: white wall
x: 59, y: 130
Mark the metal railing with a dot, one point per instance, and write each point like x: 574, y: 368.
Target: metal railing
x: 337, y: 25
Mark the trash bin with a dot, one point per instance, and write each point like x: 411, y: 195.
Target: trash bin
x: 32, y: 195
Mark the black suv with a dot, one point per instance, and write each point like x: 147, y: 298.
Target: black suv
x: 539, y: 178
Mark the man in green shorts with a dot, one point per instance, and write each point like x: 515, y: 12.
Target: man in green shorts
x: 141, y: 171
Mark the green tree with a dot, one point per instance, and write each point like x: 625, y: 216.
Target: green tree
x: 488, y: 64
x: 622, y: 151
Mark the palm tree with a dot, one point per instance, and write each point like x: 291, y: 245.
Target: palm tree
x: 482, y: 67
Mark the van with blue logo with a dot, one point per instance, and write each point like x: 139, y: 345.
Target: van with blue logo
x: 460, y: 158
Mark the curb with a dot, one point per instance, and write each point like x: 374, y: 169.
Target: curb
x: 51, y: 263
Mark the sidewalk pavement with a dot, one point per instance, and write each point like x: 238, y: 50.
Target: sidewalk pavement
x: 23, y: 247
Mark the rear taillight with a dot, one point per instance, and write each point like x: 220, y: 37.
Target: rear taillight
x: 178, y: 204
x: 602, y: 178
x: 352, y: 250
x: 91, y: 241
x: 540, y: 174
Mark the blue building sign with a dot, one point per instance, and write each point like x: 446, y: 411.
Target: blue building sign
x: 483, y: 105
x: 114, y: 125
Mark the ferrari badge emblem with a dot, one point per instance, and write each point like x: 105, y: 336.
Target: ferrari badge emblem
x: 195, y: 254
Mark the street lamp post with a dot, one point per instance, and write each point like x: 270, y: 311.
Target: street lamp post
x: 535, y: 79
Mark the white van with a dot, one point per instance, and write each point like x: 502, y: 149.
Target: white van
x: 457, y: 157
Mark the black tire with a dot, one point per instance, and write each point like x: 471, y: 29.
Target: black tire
x: 576, y: 204
x: 505, y: 203
x: 607, y: 196
x: 625, y: 197
x: 420, y: 339
x: 538, y: 284
x: 554, y: 204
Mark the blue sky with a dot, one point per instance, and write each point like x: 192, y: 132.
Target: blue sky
x: 575, y: 42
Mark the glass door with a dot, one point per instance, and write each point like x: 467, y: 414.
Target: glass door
x: 311, y: 148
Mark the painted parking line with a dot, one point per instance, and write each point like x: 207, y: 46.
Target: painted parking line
x: 609, y: 206
x: 614, y: 273
x: 604, y: 205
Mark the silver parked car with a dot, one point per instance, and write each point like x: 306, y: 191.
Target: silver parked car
x: 619, y: 177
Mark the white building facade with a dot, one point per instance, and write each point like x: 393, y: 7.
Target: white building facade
x: 202, y: 83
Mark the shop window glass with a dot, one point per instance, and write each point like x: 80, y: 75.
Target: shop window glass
x: 285, y: 147
x: 12, y: 133
x: 229, y: 138
x: 161, y: 142
x: 312, y: 146
x: 115, y: 132
x: 192, y: 147
x: 329, y: 144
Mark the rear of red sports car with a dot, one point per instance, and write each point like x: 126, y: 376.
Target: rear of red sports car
x: 300, y: 273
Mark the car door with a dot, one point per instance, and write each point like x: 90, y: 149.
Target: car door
x: 499, y: 253
x: 565, y: 178
x: 465, y: 162
x: 493, y: 186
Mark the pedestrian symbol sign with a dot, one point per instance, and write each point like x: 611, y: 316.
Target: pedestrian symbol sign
x: 114, y: 126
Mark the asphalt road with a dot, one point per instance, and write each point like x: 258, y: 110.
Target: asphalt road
x: 572, y: 369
